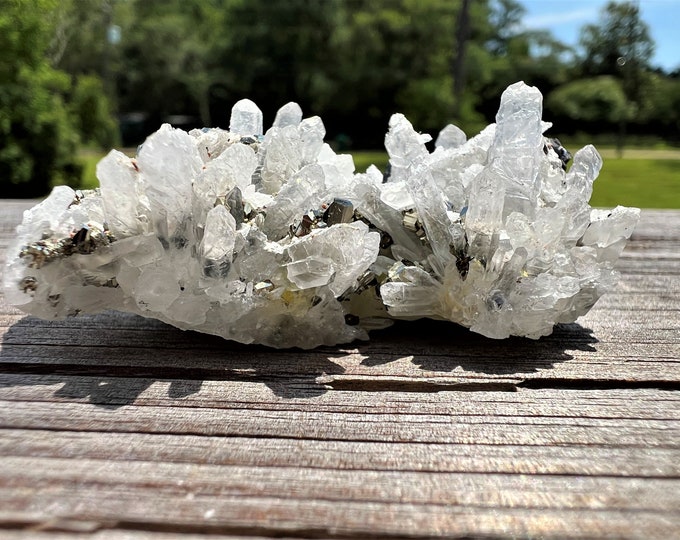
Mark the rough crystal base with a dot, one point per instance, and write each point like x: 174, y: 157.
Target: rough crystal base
x: 274, y: 239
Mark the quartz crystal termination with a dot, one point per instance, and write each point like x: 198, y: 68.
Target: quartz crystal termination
x: 272, y: 238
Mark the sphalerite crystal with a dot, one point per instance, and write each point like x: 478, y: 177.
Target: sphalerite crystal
x: 272, y: 238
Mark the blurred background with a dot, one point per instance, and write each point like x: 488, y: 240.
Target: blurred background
x: 78, y: 77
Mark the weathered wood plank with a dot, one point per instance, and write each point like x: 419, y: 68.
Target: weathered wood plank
x: 549, y: 405
x: 65, y: 529
x: 56, y: 477
x: 573, y: 460
x: 335, y: 519
x: 319, y: 424
x: 645, y: 350
x: 115, y: 426
x: 95, y: 530
x: 657, y: 225
x: 495, y: 490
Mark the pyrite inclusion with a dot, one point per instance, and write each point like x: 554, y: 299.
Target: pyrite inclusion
x: 274, y: 239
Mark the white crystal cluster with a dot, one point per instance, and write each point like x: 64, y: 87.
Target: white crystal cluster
x: 272, y: 238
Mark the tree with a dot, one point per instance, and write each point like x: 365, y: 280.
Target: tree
x: 458, y: 65
x: 276, y: 51
x: 399, y: 55
x: 167, y: 48
x: 620, y: 40
x: 354, y: 62
x: 514, y: 54
x: 504, y: 21
x: 401, y: 63
x: 79, y: 42
x: 588, y: 104
x: 91, y: 112
x: 620, y: 46
x: 85, y: 44
x: 37, y: 137
x: 659, y: 112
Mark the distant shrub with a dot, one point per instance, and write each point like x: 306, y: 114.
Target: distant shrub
x: 92, y: 112
x: 597, y: 103
x: 38, y: 139
x: 45, y: 115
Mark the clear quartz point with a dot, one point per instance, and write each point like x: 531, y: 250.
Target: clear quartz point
x: 288, y: 115
x: 274, y: 238
x: 450, y: 137
x: 246, y: 118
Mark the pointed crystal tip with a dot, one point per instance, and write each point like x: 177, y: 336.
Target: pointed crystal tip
x: 246, y: 118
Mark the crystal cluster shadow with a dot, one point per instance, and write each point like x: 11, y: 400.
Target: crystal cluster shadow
x: 111, y: 359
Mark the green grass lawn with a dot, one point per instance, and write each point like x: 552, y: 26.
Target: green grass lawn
x: 645, y: 183
x: 88, y: 160
x: 363, y: 159
x: 646, y: 178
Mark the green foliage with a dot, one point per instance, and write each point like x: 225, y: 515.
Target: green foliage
x: 599, y: 100
x: 406, y: 61
x: 619, y: 42
x: 535, y: 57
x: 427, y: 101
x: 37, y: 137
x: 659, y: 107
x: 23, y: 35
x: 276, y: 52
x: 91, y: 112
x: 167, y: 47
x: 47, y: 113
x: 399, y: 56
x: 620, y: 46
x: 353, y: 62
x: 78, y: 40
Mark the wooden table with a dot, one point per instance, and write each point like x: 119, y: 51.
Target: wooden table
x: 116, y: 426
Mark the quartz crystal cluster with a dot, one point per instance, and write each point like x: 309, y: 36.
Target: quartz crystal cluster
x: 273, y: 238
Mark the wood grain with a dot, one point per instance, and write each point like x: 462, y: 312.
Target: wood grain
x: 116, y: 426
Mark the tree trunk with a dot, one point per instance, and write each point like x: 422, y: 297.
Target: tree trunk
x: 458, y: 68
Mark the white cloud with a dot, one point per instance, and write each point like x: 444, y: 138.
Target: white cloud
x: 548, y: 20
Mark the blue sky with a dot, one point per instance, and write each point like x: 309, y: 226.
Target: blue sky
x: 566, y: 17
